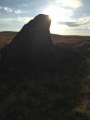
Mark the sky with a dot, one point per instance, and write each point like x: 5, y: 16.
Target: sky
x: 69, y: 17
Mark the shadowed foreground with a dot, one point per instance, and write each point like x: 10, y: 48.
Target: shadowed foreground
x: 58, y: 94
x: 44, y: 95
x: 40, y: 95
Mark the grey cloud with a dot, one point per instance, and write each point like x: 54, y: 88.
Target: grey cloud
x: 73, y: 24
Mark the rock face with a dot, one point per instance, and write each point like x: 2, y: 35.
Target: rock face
x: 32, y: 47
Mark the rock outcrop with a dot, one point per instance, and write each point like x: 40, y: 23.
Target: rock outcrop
x: 32, y: 47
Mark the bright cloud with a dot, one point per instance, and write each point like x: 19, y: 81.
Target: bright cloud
x: 23, y: 19
x: 5, y: 19
x: 85, y: 19
x: 7, y: 9
x: 20, y: 19
x: 58, y: 14
x: 19, y: 11
x: 71, y: 3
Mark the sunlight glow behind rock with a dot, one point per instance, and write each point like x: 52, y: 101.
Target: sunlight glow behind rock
x: 57, y: 15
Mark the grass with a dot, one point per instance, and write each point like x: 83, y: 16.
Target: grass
x: 6, y: 37
x: 84, y: 107
x: 46, y: 95
x: 39, y: 96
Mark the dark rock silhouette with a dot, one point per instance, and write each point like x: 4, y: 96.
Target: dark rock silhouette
x: 32, y: 49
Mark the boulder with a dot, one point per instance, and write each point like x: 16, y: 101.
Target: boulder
x: 32, y: 47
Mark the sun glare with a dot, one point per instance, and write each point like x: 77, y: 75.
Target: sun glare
x: 56, y: 14
x: 52, y: 12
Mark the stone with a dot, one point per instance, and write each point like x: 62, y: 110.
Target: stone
x: 32, y: 47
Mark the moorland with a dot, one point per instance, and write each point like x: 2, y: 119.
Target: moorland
x: 56, y: 95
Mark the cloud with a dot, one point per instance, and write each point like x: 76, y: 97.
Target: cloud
x: 71, y: 24
x: 19, y: 19
x: 58, y: 14
x: 25, y: 5
x: 1, y: 7
x: 89, y: 27
x: 6, y: 19
x: 23, y: 19
x: 71, y: 3
x: 84, y: 20
x: 6, y: 9
x: 22, y: 5
x: 18, y: 11
x: 74, y: 24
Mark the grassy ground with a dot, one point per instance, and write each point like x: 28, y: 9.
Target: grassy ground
x: 6, y: 37
x: 61, y: 95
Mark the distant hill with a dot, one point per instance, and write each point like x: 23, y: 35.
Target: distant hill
x: 8, y: 31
